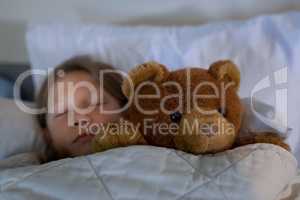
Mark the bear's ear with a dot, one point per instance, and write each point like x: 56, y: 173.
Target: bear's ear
x: 227, y: 71
x: 149, y: 71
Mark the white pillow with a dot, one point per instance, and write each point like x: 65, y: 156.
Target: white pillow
x: 265, y: 48
x: 256, y: 117
x: 19, y: 132
x: 259, y: 46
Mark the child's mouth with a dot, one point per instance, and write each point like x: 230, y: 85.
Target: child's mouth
x: 83, y: 138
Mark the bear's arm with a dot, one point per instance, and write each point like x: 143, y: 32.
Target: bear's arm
x: 262, y: 137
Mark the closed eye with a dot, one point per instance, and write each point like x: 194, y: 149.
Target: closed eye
x: 60, y: 114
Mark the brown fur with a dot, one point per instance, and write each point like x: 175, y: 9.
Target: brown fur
x: 221, y: 72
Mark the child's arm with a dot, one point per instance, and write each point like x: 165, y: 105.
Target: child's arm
x: 113, y: 138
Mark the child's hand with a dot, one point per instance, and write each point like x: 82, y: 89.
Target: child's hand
x: 116, y: 135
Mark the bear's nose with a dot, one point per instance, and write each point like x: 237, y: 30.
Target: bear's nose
x: 176, y: 117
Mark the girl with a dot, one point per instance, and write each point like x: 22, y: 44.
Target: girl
x: 65, y: 139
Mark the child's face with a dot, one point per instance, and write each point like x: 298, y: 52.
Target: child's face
x: 71, y: 139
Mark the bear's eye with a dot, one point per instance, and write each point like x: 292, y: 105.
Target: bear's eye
x: 222, y: 111
x: 176, y: 117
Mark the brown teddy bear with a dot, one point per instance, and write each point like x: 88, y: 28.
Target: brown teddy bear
x: 191, y: 109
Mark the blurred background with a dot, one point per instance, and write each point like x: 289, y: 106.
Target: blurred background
x: 15, y: 15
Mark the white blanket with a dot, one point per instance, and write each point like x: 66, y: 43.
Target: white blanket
x: 260, y: 171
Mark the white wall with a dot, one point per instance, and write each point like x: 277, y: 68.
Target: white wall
x: 16, y: 14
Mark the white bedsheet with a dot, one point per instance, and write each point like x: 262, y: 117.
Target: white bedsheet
x: 257, y: 172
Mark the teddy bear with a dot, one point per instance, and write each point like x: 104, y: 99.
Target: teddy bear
x: 194, y: 110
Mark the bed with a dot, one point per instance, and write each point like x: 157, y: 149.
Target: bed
x: 266, y: 49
